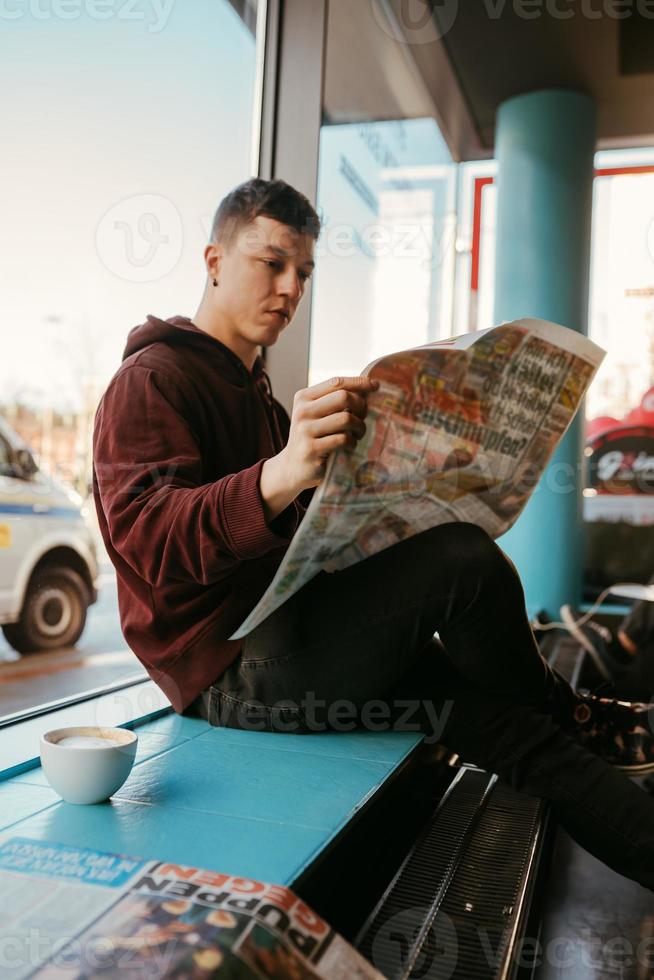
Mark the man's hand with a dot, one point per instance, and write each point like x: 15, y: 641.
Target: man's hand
x: 325, y: 417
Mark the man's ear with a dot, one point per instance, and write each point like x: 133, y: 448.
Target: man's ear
x: 213, y: 255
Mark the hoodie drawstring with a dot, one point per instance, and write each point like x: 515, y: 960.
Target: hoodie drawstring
x: 271, y: 414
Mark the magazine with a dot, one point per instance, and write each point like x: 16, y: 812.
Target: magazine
x: 458, y: 430
x: 70, y: 912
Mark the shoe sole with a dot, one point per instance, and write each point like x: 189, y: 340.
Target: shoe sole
x: 640, y: 770
x: 583, y: 641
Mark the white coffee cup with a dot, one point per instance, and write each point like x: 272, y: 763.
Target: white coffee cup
x: 86, y: 764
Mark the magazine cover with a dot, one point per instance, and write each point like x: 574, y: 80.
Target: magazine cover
x: 78, y: 914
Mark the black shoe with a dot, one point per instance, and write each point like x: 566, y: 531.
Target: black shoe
x: 596, y: 640
x: 620, y: 732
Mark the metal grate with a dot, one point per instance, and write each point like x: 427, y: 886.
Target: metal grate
x: 455, y: 906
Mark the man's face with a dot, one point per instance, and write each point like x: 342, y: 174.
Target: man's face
x: 264, y: 270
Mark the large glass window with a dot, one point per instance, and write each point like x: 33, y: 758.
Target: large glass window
x: 386, y: 191
x: 123, y: 125
x: 619, y: 501
x: 619, y: 495
x: 621, y: 315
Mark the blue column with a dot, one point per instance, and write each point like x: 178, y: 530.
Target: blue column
x: 545, y: 144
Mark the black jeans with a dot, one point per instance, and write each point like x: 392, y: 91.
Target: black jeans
x: 357, y: 647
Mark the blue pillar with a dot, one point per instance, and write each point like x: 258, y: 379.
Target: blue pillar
x: 545, y: 145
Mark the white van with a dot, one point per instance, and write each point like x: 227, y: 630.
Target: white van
x: 48, y: 564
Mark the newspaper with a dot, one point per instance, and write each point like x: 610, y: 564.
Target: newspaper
x: 458, y: 430
x: 70, y: 912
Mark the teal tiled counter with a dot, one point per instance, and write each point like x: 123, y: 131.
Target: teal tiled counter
x: 250, y: 803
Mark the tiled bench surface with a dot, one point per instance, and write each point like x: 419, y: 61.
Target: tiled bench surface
x: 251, y: 803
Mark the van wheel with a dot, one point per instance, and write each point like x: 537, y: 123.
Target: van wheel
x: 54, y: 611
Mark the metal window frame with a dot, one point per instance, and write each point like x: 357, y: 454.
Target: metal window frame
x: 124, y: 704
x: 293, y: 90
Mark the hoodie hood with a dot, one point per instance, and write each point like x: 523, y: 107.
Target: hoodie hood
x: 181, y: 331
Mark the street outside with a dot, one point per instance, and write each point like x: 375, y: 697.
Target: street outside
x: 100, y: 657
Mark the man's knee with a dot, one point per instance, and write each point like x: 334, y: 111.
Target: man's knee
x: 461, y: 542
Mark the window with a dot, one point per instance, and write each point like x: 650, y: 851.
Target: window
x: 124, y: 128
x: 386, y: 191
x: 619, y: 502
x: 619, y: 491
x: 621, y: 314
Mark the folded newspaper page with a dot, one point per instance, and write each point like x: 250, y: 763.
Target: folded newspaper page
x: 70, y: 912
x: 458, y: 430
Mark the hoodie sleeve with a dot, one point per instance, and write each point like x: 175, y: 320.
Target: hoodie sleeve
x: 162, y: 520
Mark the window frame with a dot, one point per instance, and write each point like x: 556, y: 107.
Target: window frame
x: 19, y: 738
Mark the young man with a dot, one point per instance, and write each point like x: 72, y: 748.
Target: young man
x: 200, y: 481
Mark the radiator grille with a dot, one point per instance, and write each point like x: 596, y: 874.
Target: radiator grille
x: 454, y: 907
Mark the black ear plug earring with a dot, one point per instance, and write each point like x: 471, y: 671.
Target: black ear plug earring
x: 215, y: 281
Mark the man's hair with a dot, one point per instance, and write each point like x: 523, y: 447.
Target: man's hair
x: 270, y: 198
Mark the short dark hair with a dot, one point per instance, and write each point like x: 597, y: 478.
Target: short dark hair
x: 270, y: 198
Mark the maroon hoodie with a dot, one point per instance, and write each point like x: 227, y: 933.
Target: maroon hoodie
x: 180, y: 437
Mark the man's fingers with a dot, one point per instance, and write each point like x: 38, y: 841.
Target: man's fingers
x: 336, y: 401
x: 338, y: 422
x: 326, y: 417
x: 328, y: 444
x: 360, y: 383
